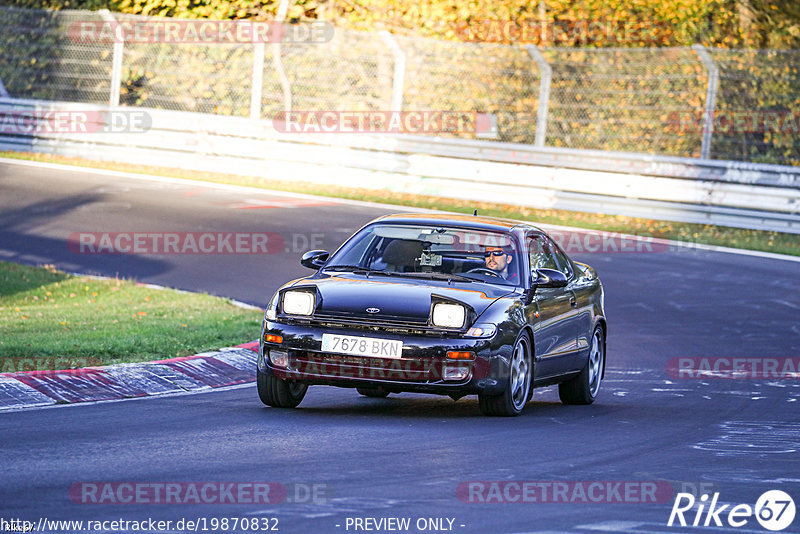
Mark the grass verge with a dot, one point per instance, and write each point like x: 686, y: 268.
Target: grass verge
x: 777, y: 242
x: 53, y: 320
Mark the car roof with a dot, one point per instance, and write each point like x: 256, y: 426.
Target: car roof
x: 469, y: 221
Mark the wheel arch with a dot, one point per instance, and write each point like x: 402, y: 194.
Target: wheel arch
x: 601, y: 322
x: 529, y: 330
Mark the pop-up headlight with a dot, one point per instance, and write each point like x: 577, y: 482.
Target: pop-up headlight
x: 448, y: 315
x: 298, y: 302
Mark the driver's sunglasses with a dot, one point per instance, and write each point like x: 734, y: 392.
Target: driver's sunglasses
x: 495, y: 253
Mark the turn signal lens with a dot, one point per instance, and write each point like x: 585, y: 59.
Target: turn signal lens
x: 482, y: 330
x: 272, y: 338
x: 455, y: 355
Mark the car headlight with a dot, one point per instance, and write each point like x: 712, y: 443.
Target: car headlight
x: 298, y: 302
x: 448, y: 315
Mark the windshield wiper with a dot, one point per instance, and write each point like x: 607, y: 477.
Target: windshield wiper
x: 369, y: 270
x: 437, y: 276
x: 355, y: 268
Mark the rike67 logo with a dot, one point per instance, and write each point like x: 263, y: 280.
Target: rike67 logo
x: 774, y: 510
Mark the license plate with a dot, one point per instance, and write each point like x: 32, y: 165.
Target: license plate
x: 362, y: 346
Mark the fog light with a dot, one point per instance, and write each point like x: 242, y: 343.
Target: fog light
x: 279, y: 358
x: 455, y: 372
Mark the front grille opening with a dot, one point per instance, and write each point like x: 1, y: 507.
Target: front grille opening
x: 424, y: 370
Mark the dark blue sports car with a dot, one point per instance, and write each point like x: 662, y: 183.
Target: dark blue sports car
x: 445, y: 304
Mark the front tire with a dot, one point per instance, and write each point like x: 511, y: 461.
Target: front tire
x: 583, y: 389
x: 518, y: 387
x: 279, y: 393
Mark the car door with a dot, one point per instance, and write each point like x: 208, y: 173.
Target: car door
x: 585, y: 290
x: 581, y: 317
x: 554, y: 312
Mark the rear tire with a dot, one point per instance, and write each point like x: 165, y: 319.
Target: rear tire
x: 518, y: 386
x: 375, y: 393
x: 583, y: 389
x: 279, y: 393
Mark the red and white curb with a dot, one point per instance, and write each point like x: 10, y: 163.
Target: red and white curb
x: 205, y: 371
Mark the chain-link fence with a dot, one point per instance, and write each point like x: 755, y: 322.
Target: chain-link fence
x: 185, y: 76
x: 722, y: 104
x: 39, y: 60
x: 758, y: 106
x: 625, y: 99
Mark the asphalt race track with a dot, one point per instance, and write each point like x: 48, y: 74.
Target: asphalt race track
x: 343, y: 457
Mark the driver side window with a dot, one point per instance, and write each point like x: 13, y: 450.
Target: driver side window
x: 544, y: 255
x: 563, y: 263
x: 540, y: 253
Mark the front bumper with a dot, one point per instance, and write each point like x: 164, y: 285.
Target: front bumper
x: 421, y: 367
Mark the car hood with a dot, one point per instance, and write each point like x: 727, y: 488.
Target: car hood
x: 404, y: 299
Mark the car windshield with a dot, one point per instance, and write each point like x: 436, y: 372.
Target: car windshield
x: 435, y: 252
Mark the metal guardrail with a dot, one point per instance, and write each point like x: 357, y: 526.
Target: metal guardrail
x: 763, y: 197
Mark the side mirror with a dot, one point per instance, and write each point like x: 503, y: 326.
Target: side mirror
x: 314, y: 259
x: 549, y: 278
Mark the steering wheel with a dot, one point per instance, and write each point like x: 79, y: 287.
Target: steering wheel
x: 485, y: 270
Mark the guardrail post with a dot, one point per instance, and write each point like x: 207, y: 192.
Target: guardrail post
x: 258, y: 80
x: 116, y: 60
x: 544, y: 94
x: 399, y: 75
x: 711, y: 99
x: 3, y: 92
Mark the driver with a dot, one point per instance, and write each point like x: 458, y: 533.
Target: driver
x: 498, y: 259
